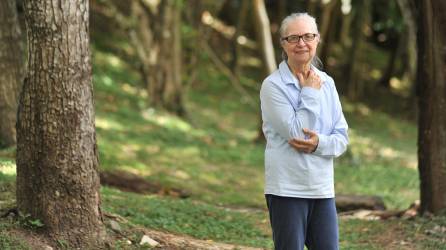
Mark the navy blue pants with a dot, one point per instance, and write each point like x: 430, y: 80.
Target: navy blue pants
x: 299, y: 221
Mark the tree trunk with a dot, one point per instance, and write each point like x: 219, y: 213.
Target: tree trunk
x: 360, y: 20
x: 265, y: 40
x: 431, y: 89
x: 407, y: 9
x: 264, y: 36
x: 346, y: 24
x: 312, y: 6
x: 57, y: 160
x: 328, y: 36
x: 157, y: 38
x: 408, y: 12
x: 327, y: 17
x: 281, y: 10
x: 387, y: 76
x: 11, y: 70
x: 236, y: 47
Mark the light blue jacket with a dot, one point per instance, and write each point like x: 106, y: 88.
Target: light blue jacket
x: 286, y: 110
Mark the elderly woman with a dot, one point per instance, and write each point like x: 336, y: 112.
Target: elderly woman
x: 305, y: 130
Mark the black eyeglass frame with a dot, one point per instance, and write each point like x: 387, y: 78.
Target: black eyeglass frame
x: 300, y: 37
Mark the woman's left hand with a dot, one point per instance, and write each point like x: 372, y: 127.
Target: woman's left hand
x: 305, y: 145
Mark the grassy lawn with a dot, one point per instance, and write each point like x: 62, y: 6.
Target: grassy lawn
x: 211, y: 155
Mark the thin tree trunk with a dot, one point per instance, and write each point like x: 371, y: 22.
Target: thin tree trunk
x: 281, y: 10
x: 312, y: 6
x: 329, y: 35
x: 157, y: 39
x: 57, y: 158
x: 236, y: 48
x: 327, y: 17
x: 344, y: 33
x: 264, y: 36
x: 11, y: 70
x: 173, y: 96
x: 408, y: 12
x: 265, y: 40
x: 385, y: 79
x: 431, y: 88
x: 360, y: 20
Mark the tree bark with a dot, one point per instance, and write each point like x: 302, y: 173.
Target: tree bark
x: 431, y: 89
x: 57, y: 158
x: 11, y: 70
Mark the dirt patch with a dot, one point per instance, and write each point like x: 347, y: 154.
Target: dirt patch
x: 129, y: 182
x: 31, y: 239
x: 132, y: 235
x: 395, y: 238
x: 174, y: 242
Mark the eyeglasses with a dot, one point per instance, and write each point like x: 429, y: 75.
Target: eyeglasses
x: 307, y: 37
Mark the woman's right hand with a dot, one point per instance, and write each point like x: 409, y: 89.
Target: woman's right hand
x: 312, y: 80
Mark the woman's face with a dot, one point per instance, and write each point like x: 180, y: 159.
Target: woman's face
x: 304, y: 49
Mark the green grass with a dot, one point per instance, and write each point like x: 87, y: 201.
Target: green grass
x: 381, y: 159
x: 9, y: 242
x: 200, y: 220
x: 7, y: 201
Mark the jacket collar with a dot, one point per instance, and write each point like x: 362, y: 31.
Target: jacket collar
x: 289, y: 78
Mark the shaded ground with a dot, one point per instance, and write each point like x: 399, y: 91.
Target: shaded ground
x: 129, y: 182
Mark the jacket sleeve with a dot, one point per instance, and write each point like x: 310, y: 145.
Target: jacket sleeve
x: 278, y: 111
x: 335, y: 144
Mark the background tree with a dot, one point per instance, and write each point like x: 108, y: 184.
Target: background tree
x: 11, y: 70
x: 266, y: 45
x: 360, y: 21
x: 57, y: 161
x: 236, y: 47
x: 157, y: 37
x: 264, y: 36
x: 431, y: 89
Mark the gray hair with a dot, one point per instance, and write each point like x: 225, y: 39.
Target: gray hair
x: 284, y: 27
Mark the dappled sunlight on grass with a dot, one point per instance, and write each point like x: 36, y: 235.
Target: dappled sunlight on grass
x: 397, y: 186
x: 365, y: 148
x: 176, y: 154
x: 375, y: 136
x: 7, y: 167
x: 108, y: 124
x: 167, y: 121
x: 211, y: 154
x: 381, y: 158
